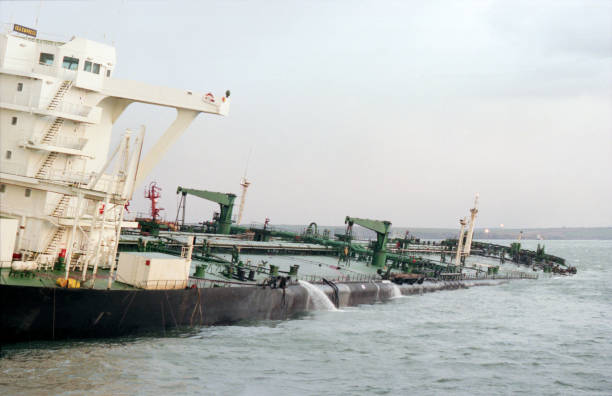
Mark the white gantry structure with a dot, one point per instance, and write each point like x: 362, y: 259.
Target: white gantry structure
x: 62, y: 190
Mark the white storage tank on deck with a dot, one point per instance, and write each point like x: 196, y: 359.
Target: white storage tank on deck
x: 149, y: 270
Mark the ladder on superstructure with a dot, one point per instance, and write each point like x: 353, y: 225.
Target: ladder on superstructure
x: 52, y: 247
x: 53, y: 130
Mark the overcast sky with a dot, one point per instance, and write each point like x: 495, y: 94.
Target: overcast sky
x: 387, y: 110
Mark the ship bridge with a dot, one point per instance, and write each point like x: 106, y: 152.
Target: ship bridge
x: 58, y: 177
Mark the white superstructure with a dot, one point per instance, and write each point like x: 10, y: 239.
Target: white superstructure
x: 58, y: 177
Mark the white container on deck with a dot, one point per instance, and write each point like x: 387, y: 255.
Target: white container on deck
x: 149, y: 270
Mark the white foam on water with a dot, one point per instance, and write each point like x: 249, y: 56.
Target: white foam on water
x: 319, y: 300
x: 396, y: 292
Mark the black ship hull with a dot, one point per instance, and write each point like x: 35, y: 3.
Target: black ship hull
x: 43, y: 313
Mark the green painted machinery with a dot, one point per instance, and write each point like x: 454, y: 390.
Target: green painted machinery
x: 225, y: 201
x: 381, y: 228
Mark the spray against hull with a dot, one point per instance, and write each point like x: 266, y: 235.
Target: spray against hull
x: 319, y: 300
x: 395, y: 291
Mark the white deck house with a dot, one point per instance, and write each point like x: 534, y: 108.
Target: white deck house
x: 58, y: 177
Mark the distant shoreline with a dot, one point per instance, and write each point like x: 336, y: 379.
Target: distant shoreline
x: 553, y: 233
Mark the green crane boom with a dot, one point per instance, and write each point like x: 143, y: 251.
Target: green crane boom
x: 382, y: 232
x: 225, y: 201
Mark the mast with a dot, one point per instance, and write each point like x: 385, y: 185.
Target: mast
x: 473, y: 212
x: 463, y: 222
x: 245, y: 184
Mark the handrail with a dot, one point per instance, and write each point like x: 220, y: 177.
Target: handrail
x: 201, y: 283
x: 59, y: 140
x: 35, y: 103
x: 505, y: 275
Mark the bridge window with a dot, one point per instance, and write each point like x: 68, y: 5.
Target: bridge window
x: 9, y: 154
x: 108, y: 73
x: 28, y: 192
x: 14, y: 121
x: 46, y: 59
x: 92, y: 67
x: 2, y: 188
x: 19, y: 87
x: 70, y: 63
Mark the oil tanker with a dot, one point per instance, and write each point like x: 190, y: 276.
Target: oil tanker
x: 72, y: 265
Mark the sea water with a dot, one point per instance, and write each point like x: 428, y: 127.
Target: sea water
x: 545, y: 337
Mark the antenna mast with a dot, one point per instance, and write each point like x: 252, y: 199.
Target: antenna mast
x: 462, y: 222
x: 245, y: 185
x: 153, y: 194
x: 473, y: 212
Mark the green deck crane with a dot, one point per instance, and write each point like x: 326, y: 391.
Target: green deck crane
x: 382, y: 232
x: 225, y: 201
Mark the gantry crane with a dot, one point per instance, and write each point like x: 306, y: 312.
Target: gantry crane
x: 382, y: 232
x: 225, y: 201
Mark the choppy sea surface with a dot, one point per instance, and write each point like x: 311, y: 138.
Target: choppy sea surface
x: 550, y: 336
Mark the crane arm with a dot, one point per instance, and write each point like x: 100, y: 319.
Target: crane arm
x: 225, y: 199
x: 380, y: 227
x: 379, y: 256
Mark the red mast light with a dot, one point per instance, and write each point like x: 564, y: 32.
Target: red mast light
x: 152, y: 192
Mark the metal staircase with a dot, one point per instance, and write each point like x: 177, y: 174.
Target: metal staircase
x: 46, y: 165
x: 52, y: 131
x: 59, y: 95
x: 61, y: 206
x: 56, y: 239
x: 58, y: 235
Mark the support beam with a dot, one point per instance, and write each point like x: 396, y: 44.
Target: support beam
x: 71, y: 238
x: 184, y: 118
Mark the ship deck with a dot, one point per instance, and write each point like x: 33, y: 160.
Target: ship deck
x: 48, y: 278
x: 312, y: 268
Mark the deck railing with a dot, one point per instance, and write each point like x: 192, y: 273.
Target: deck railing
x: 349, y: 278
x: 504, y: 275
x: 163, y: 284
x: 201, y: 283
x: 60, y: 140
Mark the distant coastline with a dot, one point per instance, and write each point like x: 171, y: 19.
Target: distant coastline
x: 561, y: 233
x: 556, y: 233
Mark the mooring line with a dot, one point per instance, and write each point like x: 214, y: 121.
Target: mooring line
x: 127, y: 308
x: 193, y: 313
x: 53, y: 326
x: 163, y: 317
x: 171, y: 310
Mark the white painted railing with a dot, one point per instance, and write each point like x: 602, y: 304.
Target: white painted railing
x: 13, y: 168
x: 69, y: 177
x: 40, y: 104
x: 61, y: 140
x: 70, y: 211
